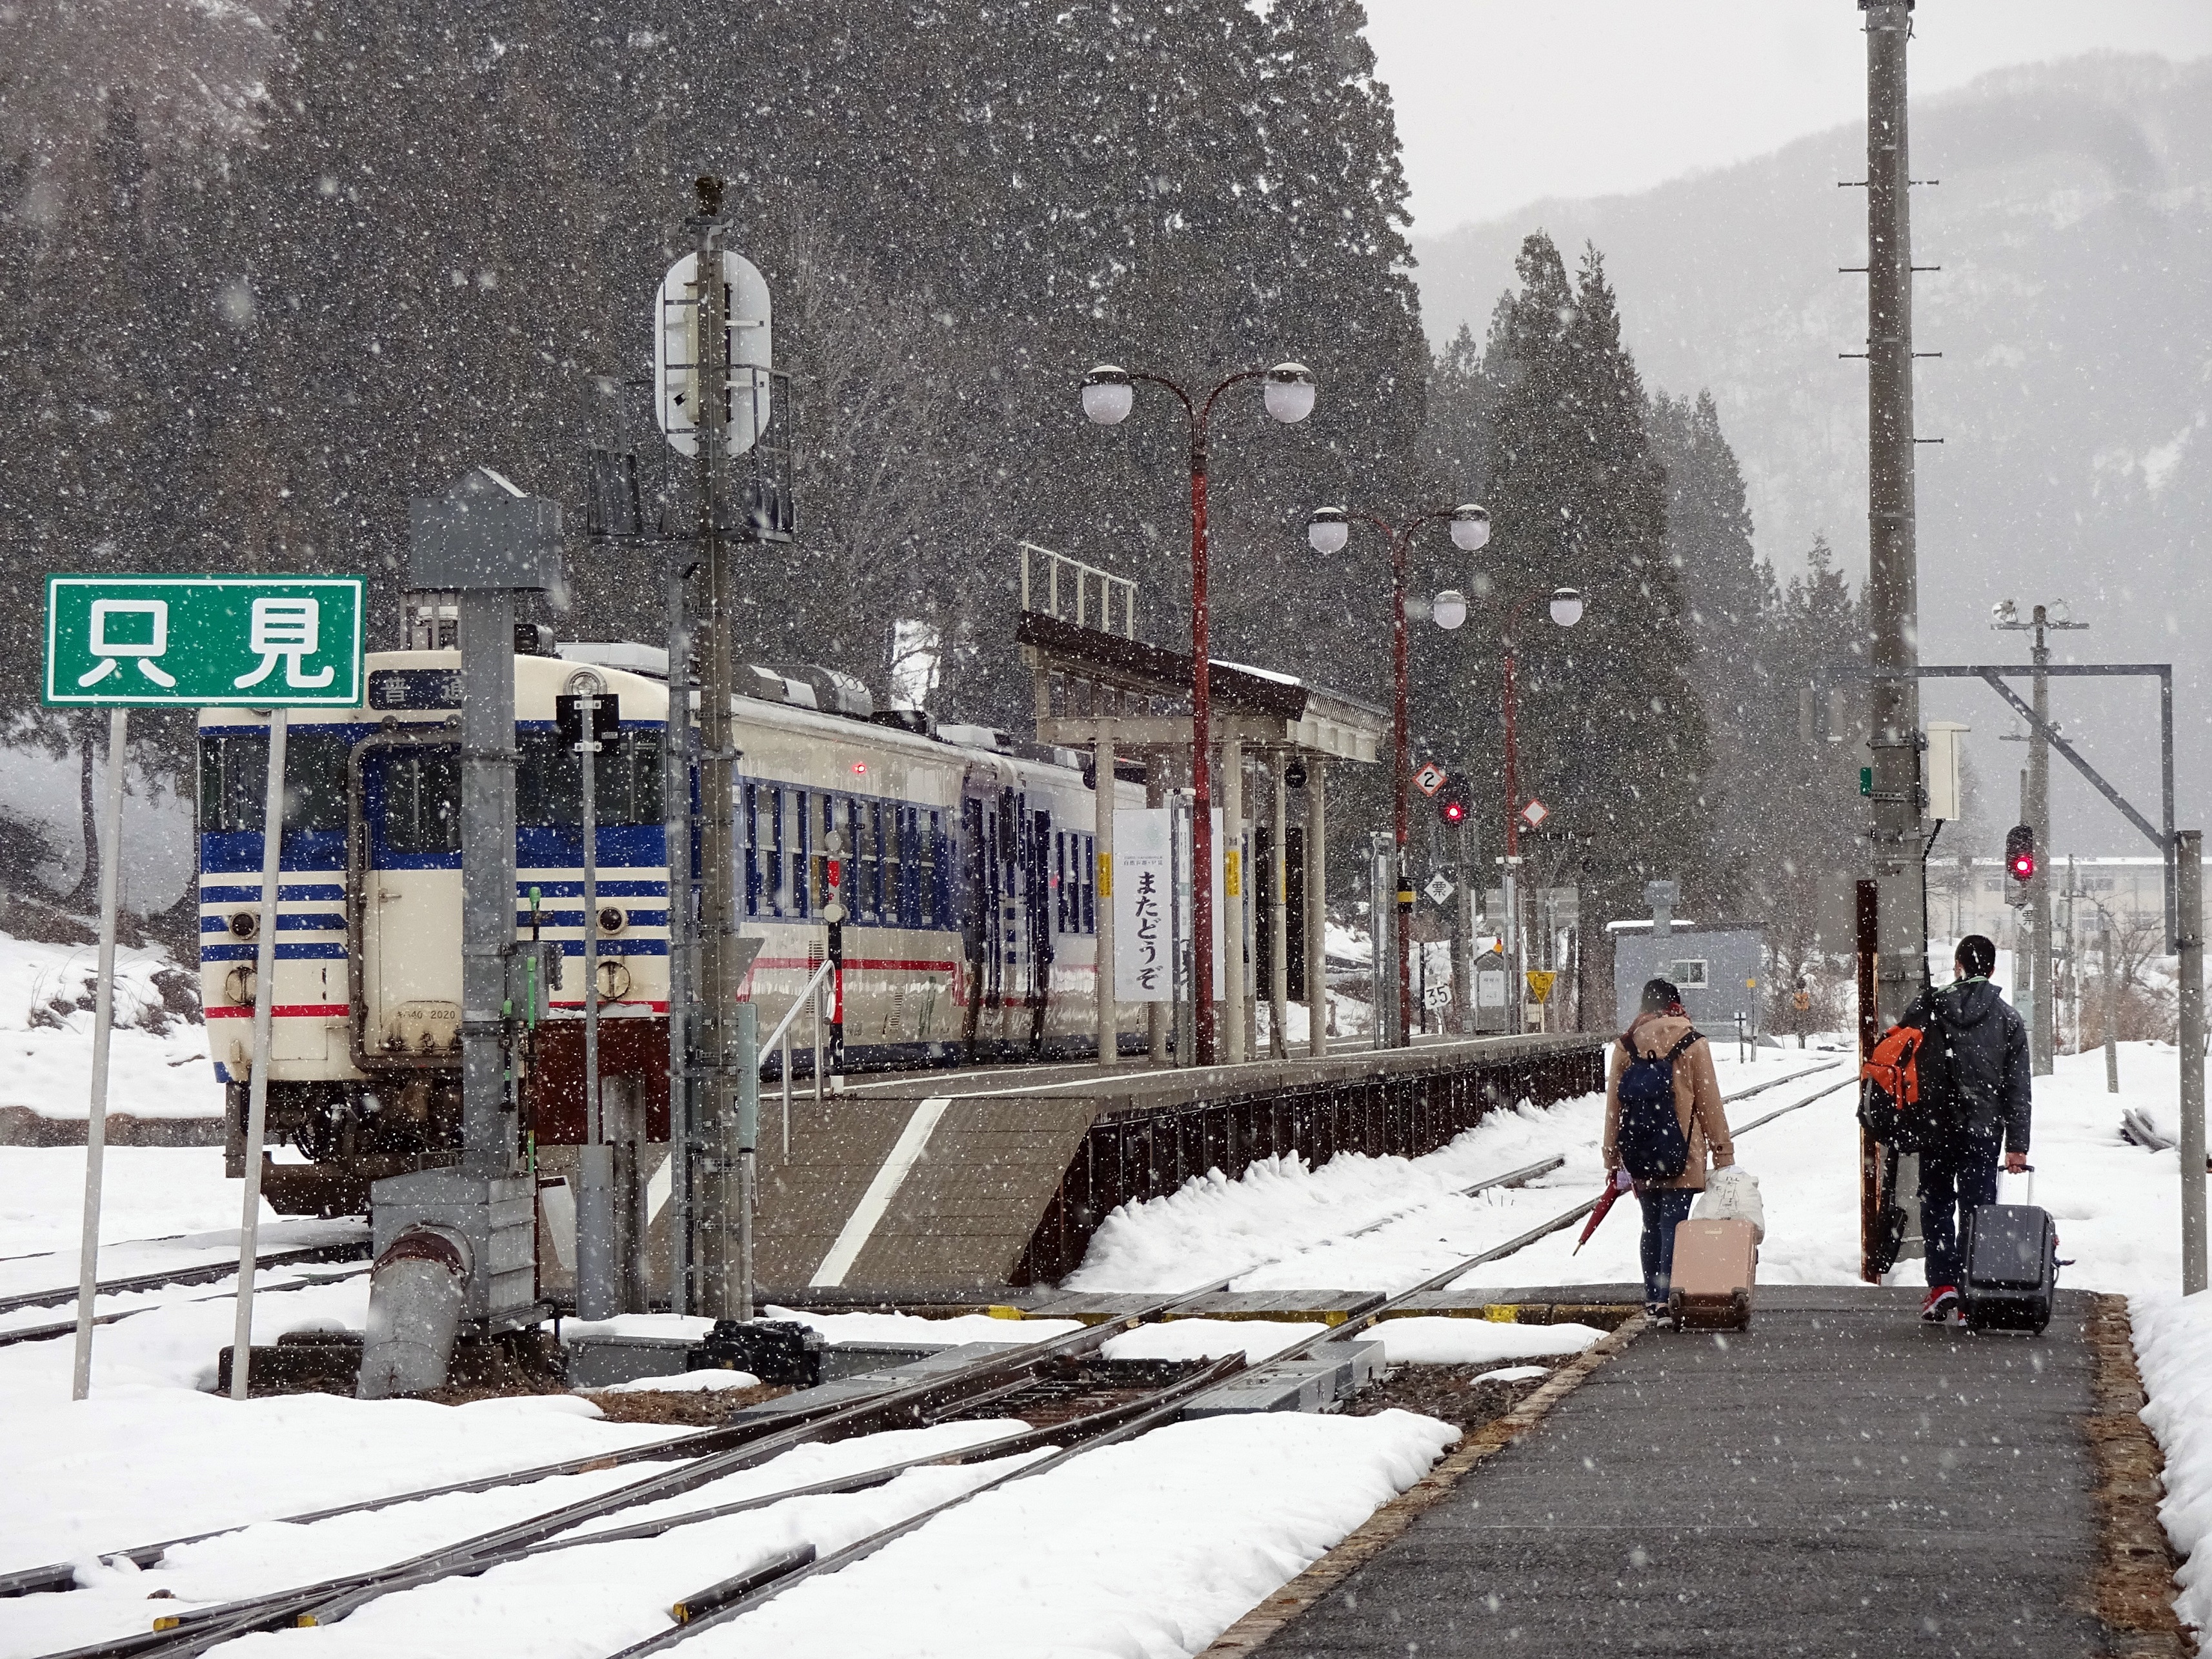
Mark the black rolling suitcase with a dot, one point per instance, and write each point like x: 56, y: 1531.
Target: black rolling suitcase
x: 2011, y: 1253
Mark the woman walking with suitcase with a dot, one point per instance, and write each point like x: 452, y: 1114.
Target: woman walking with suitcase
x: 1663, y: 1122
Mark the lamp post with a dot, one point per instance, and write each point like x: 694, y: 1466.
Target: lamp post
x: 1327, y: 530
x: 1109, y: 393
x: 1567, y: 610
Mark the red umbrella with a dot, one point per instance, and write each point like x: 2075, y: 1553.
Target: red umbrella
x: 1606, y: 1201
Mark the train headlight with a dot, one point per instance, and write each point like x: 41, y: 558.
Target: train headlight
x: 614, y: 981
x: 612, y: 920
x: 245, y: 924
x: 238, y: 986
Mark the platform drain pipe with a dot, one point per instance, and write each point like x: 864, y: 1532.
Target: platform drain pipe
x: 416, y: 1291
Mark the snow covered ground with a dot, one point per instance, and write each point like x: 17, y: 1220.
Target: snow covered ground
x: 1146, y: 1549
x: 2116, y: 1206
x: 46, y: 1038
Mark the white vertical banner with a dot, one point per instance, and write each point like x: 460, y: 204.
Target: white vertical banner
x: 1148, y: 925
x: 1143, y: 877
x: 1220, y: 906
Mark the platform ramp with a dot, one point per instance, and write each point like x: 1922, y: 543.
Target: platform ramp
x: 896, y: 1193
x: 943, y: 1181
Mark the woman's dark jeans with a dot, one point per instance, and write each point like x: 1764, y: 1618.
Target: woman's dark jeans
x: 1664, y: 1211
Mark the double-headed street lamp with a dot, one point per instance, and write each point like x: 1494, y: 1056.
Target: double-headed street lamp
x: 1327, y: 530
x: 1567, y: 610
x: 1109, y: 393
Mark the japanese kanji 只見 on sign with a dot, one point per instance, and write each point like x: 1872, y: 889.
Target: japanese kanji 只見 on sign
x: 255, y: 641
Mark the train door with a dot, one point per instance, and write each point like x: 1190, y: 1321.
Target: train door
x: 410, y: 970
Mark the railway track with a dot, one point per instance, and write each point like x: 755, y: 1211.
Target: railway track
x: 1063, y: 1377
x: 204, y: 1273
x: 732, y: 1599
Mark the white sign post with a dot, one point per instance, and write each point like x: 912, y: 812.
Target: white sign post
x: 195, y: 640
x: 103, y: 1022
x: 256, y: 1088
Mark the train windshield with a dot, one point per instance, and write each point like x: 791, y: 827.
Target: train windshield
x: 548, y: 784
x: 234, y: 772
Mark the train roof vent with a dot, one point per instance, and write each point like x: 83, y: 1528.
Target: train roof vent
x: 976, y: 737
x: 628, y: 655
x: 772, y: 687
x: 916, y: 720
x: 835, y: 691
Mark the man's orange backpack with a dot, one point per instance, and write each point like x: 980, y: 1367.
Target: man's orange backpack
x: 1889, y: 1090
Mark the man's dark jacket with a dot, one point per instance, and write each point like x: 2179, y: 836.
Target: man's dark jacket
x: 1974, y: 1067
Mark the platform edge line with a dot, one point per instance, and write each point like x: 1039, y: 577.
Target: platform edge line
x: 860, y: 1226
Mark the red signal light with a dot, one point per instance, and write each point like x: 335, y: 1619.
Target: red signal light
x: 1454, y: 810
x: 2020, y: 852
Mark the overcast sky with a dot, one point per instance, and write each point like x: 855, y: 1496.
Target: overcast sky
x: 1502, y: 102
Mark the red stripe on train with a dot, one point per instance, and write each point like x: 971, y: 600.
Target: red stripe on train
x: 285, y: 1011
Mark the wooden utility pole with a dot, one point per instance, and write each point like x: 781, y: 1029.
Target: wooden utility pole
x: 1896, y: 831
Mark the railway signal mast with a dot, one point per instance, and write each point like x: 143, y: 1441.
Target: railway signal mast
x: 713, y: 398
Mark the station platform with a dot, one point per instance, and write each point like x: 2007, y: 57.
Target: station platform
x: 931, y: 1182
x: 1839, y: 1479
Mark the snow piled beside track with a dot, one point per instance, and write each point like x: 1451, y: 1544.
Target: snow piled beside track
x: 1139, y: 1551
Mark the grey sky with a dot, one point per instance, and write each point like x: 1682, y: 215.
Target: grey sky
x: 1502, y: 102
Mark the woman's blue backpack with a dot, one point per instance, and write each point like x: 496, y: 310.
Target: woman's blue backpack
x: 1650, y: 1141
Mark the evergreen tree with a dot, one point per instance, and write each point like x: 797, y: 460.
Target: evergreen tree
x: 1612, y: 735
x: 1730, y: 597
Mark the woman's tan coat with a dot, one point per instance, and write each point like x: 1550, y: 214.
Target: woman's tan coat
x: 1697, y: 1100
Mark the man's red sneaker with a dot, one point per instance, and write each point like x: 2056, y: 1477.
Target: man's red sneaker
x: 1940, y: 1300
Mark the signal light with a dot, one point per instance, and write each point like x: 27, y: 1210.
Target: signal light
x: 1454, y: 802
x: 2020, y: 852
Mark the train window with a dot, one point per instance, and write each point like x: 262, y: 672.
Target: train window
x: 751, y: 826
x: 806, y: 874
x: 781, y: 900
x: 1090, y: 883
x: 1060, y: 890
x: 935, y: 882
x: 421, y: 801
x: 626, y: 781
x: 891, y: 854
x: 871, y: 824
x: 235, y: 780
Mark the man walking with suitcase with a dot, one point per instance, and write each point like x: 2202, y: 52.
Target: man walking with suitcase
x: 1974, y: 1086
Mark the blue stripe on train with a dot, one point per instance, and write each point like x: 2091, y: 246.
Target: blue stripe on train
x: 622, y: 847
x: 575, y: 918
x: 284, y: 953
x: 553, y: 890
x: 285, y: 892
x: 238, y: 852
x: 314, y: 921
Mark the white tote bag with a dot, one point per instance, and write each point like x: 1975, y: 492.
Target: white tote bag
x: 1732, y: 1194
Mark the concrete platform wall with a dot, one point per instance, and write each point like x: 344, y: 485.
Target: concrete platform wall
x: 1396, y: 1107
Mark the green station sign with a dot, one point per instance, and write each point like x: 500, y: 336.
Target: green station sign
x: 248, y: 641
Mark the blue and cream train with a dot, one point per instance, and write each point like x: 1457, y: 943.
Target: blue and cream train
x: 969, y: 881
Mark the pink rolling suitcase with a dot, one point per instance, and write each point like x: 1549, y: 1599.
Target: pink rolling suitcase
x: 1715, y: 1265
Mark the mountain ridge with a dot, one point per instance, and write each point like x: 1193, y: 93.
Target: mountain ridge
x: 2074, y: 312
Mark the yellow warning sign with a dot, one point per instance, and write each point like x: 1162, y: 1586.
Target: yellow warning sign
x: 1540, y: 984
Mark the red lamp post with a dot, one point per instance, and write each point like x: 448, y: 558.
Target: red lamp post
x: 1108, y: 394
x: 1327, y: 530
x: 1566, y: 609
